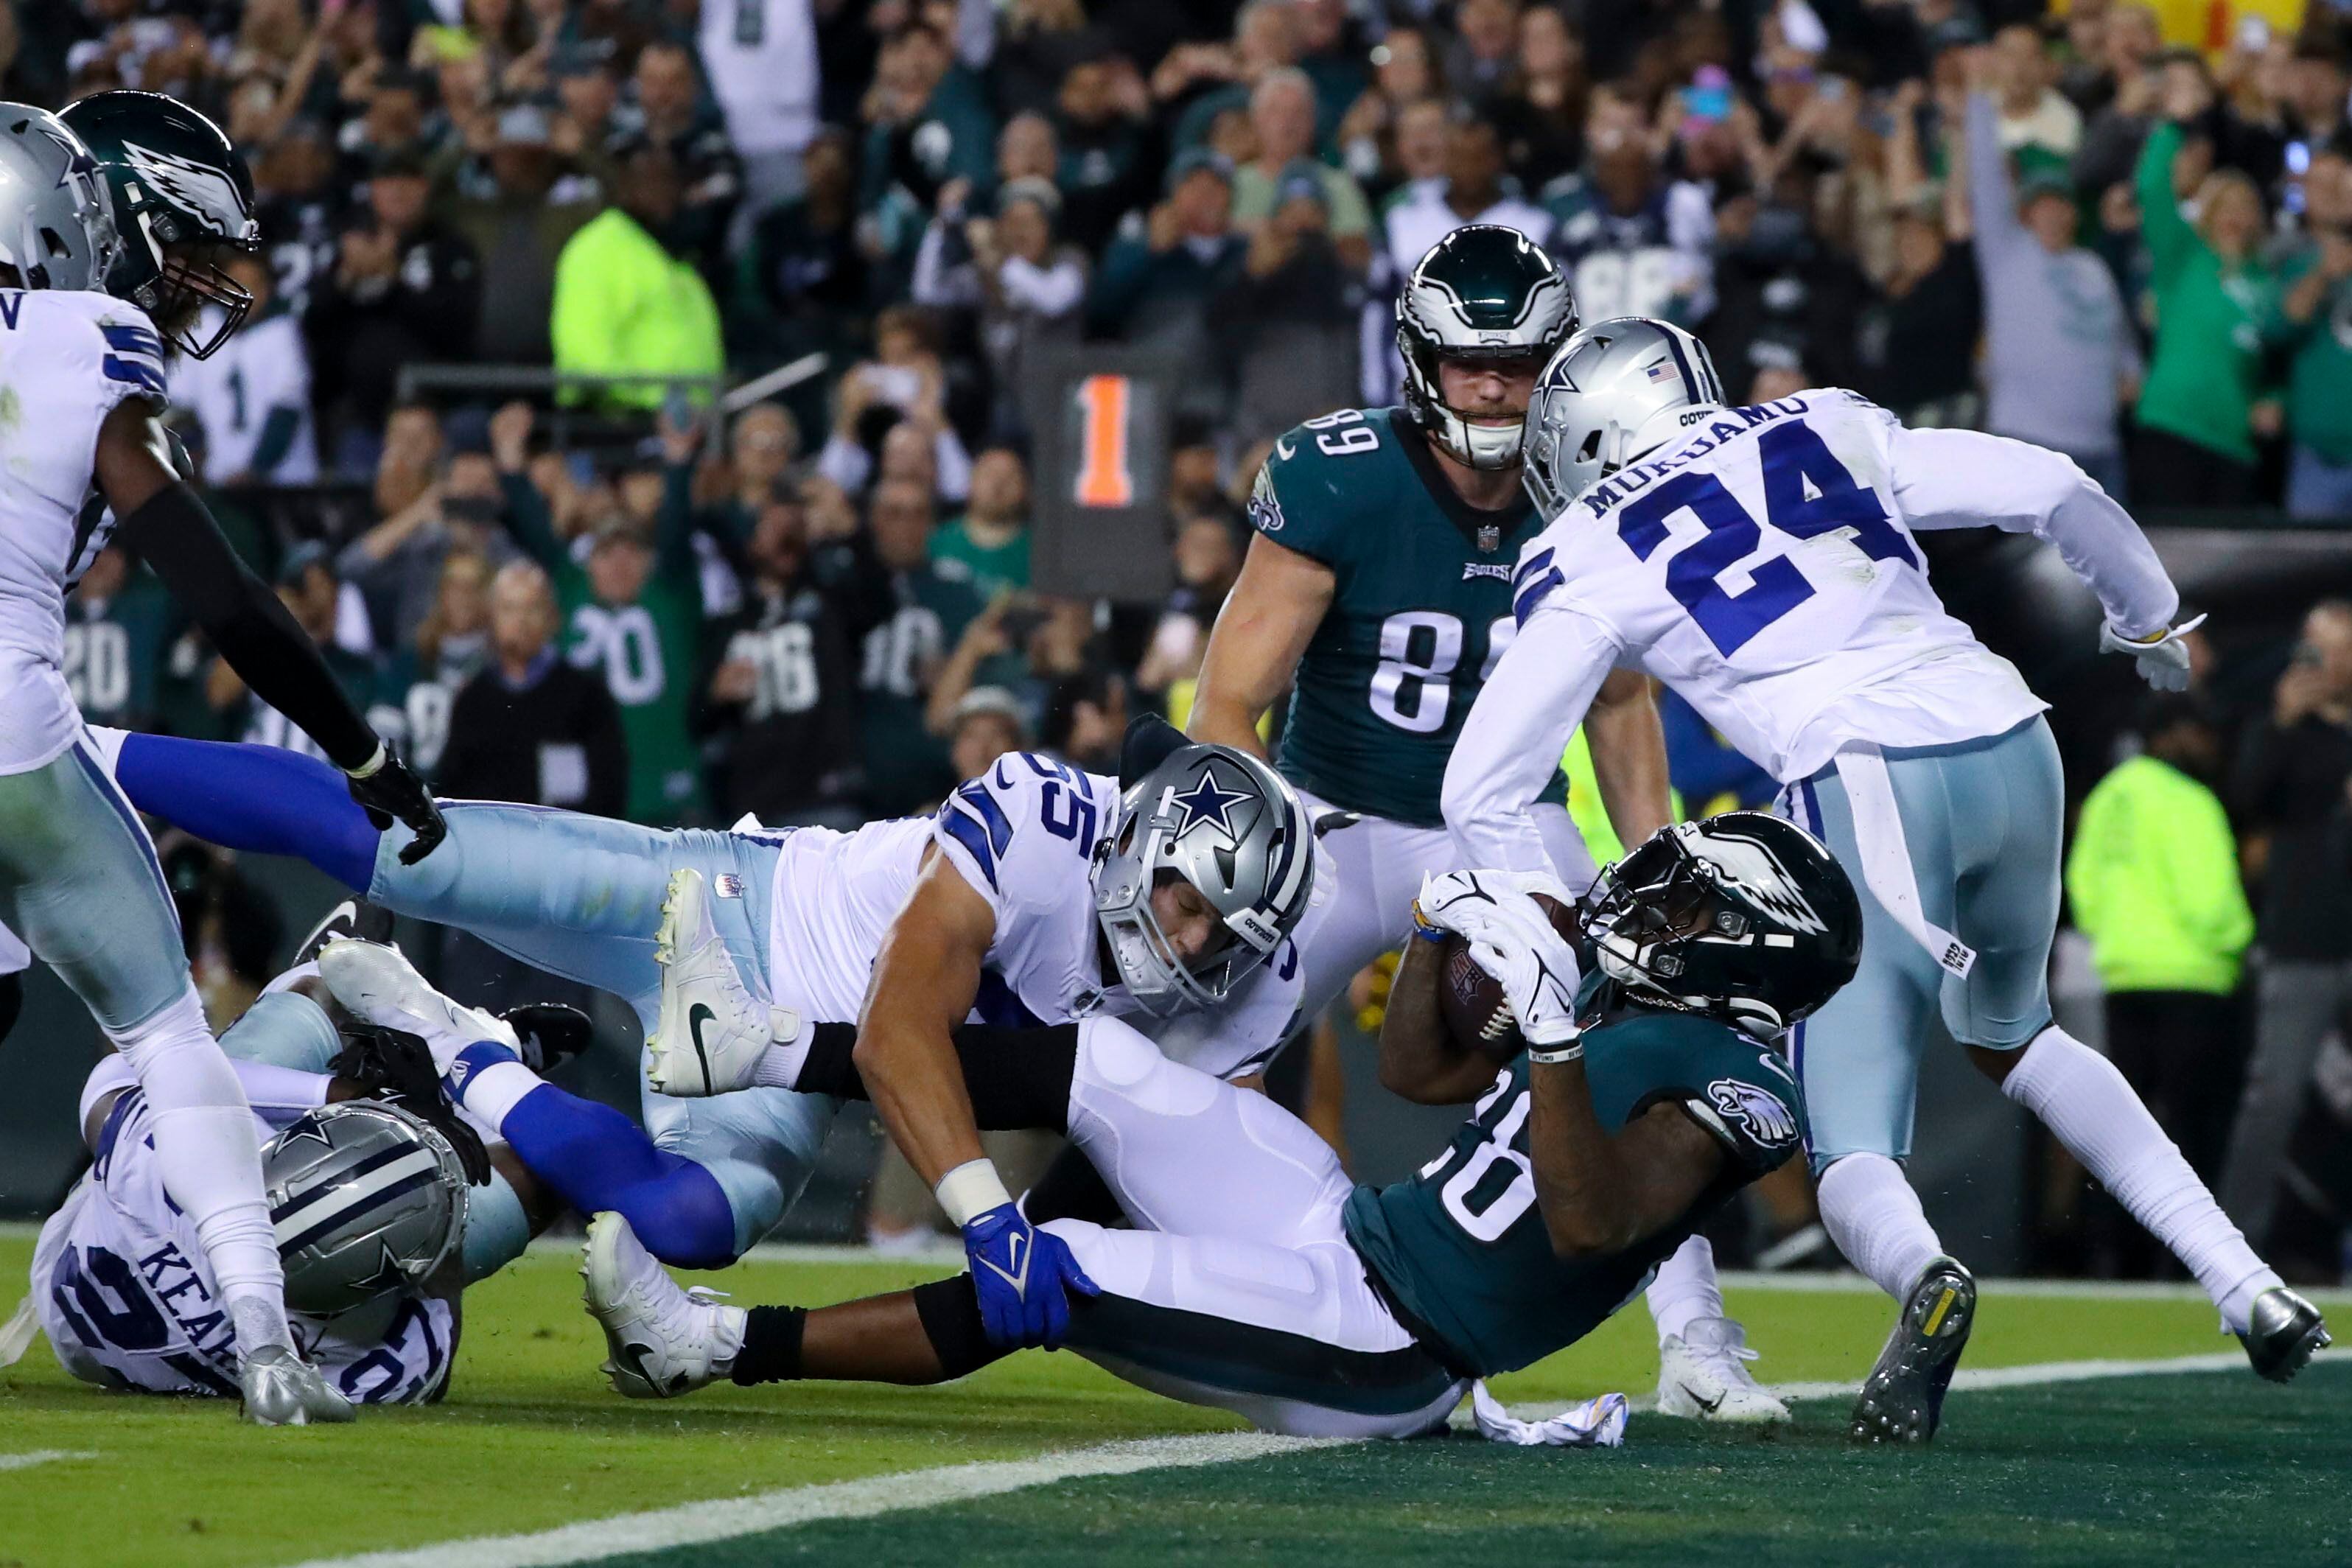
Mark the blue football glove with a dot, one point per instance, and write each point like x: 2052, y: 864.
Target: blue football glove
x: 1021, y: 1275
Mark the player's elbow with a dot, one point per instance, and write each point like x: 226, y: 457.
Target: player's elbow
x: 1410, y: 1080
x: 1585, y: 1230
x: 1470, y: 798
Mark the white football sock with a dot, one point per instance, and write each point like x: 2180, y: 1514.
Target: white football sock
x: 1870, y: 1212
x: 2092, y: 1110
x: 780, y: 1065
x: 209, y: 1155
x: 1685, y: 1289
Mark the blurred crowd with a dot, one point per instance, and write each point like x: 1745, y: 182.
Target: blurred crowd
x: 2122, y: 229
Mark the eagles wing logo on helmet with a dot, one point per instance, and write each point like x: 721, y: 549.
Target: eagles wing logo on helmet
x: 1755, y: 872
x: 1768, y: 1121
x: 206, y: 193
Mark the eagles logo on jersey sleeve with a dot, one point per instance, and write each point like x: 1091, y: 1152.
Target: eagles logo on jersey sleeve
x: 1755, y: 1121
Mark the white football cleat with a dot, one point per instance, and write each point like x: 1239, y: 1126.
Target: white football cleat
x: 1704, y: 1374
x: 711, y: 1031
x: 378, y: 985
x: 282, y: 1389
x: 665, y: 1341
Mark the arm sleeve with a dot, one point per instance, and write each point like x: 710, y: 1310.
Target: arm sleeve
x: 953, y: 464
x: 255, y: 633
x: 1512, y: 742
x: 280, y: 1095
x: 580, y: 323
x: 2170, y: 240
x: 1992, y: 202
x: 2206, y: 874
x: 529, y: 522
x: 1959, y: 478
x: 276, y: 439
x: 674, y: 524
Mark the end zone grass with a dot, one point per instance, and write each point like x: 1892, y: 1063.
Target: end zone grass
x: 531, y: 1439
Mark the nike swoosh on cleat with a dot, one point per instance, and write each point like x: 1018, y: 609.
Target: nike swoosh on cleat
x: 696, y: 1016
x: 1706, y: 1407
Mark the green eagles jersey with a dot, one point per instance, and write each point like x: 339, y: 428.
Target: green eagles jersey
x: 906, y: 766
x: 649, y: 652
x: 1462, y: 1246
x: 1421, y: 611
x: 115, y: 652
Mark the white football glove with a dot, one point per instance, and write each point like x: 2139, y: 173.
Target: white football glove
x: 1463, y: 901
x: 2163, y: 660
x: 1511, y: 938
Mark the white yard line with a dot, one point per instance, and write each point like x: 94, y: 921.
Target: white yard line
x: 724, y: 1518
x: 26, y: 1461
x: 1968, y: 1378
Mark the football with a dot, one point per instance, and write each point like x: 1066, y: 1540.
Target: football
x: 1471, y: 1001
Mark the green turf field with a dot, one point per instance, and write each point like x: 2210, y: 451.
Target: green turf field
x: 2148, y: 1469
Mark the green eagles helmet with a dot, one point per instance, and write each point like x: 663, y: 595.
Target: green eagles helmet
x: 55, y: 228
x: 180, y: 191
x: 1484, y: 292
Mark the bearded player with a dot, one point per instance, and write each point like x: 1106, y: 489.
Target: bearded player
x: 108, y: 229
x: 1378, y: 590
x: 1763, y: 561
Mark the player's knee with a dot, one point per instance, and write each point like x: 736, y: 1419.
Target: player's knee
x: 1114, y: 1056
x: 683, y: 1216
x: 177, y: 1026
x: 1995, y: 1064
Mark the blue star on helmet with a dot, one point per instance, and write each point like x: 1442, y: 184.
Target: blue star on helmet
x: 1207, y: 800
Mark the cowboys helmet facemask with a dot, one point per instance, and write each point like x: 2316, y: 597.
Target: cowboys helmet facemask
x: 1745, y: 917
x: 179, y: 193
x: 1231, y: 827
x: 1484, y: 294
x: 366, y: 1199
x: 56, y: 228
x: 1618, y: 391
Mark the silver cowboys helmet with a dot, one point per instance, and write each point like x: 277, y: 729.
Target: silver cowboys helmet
x: 1489, y: 294
x: 56, y: 228
x: 1618, y: 390
x: 366, y: 1199
x: 1231, y: 827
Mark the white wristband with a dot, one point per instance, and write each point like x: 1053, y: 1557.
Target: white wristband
x: 1552, y: 1056
x: 971, y: 1189
x: 374, y: 765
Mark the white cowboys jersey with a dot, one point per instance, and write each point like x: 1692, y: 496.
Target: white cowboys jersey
x: 1022, y: 834
x: 124, y: 1291
x: 67, y: 360
x: 1766, y: 567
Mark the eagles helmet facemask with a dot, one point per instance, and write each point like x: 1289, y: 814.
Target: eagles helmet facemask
x: 1234, y: 830
x: 1485, y: 294
x: 180, y: 194
x: 1745, y: 917
x: 1618, y: 391
x: 56, y: 229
